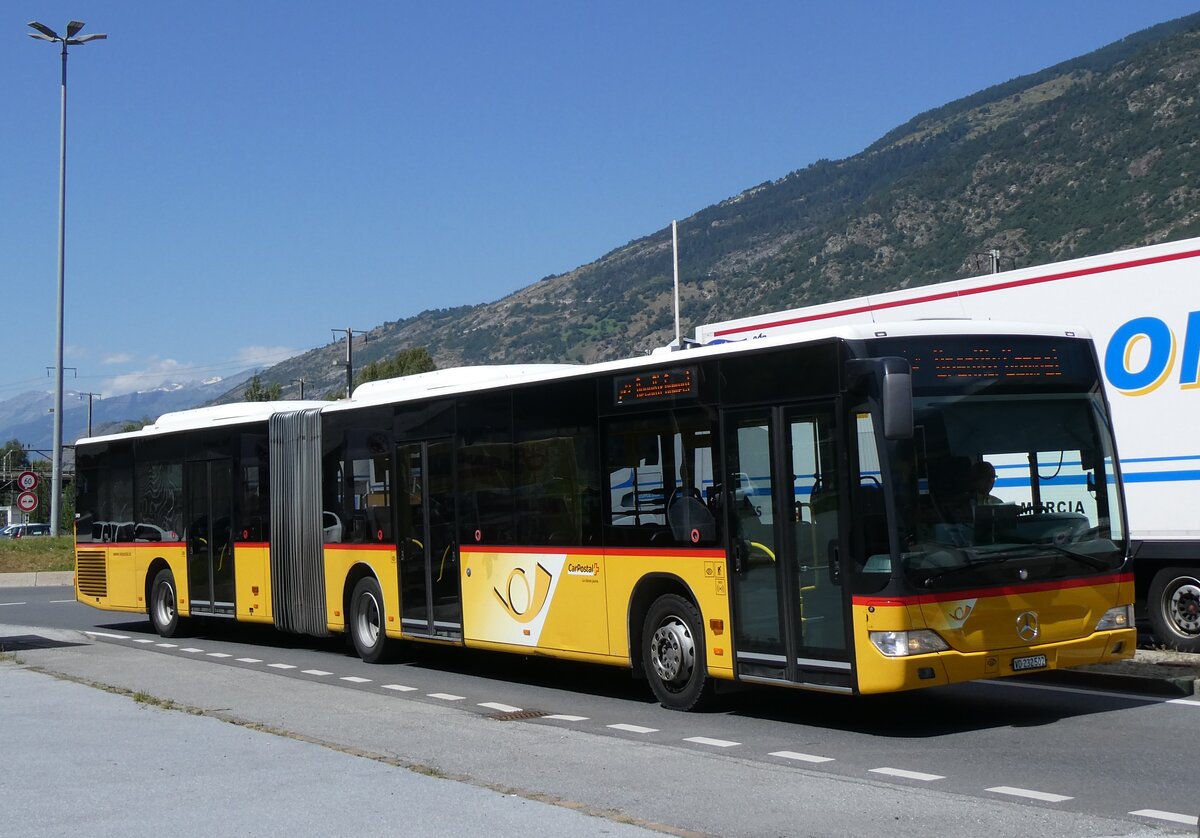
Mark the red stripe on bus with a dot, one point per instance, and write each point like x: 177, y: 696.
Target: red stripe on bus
x: 945, y: 295
x: 1006, y: 590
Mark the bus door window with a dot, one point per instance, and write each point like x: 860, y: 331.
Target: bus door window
x: 370, y: 507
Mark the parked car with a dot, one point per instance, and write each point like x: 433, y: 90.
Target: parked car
x: 24, y: 530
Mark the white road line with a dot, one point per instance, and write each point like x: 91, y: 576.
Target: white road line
x: 801, y: 757
x: 14, y: 603
x: 191, y: 650
x: 142, y: 640
x: 60, y: 601
x: 503, y: 708
x: 716, y: 743
x: 354, y: 679
x: 218, y: 655
x: 1173, y: 817
x: 565, y: 718
x: 249, y: 660
x: 315, y: 672
x: 908, y: 775
x: 1044, y: 796
x: 400, y: 688
x: 1189, y: 701
x: 167, y: 645
x: 280, y: 666
x: 106, y: 634
x: 634, y: 728
x: 447, y: 696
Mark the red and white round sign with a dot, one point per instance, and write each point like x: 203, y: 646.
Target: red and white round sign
x: 27, y: 501
x: 27, y: 481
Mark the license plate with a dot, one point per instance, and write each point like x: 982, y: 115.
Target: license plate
x: 1031, y: 662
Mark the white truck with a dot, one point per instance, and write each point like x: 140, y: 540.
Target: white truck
x: 1142, y: 308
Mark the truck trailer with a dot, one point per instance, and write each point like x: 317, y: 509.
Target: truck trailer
x: 1142, y: 309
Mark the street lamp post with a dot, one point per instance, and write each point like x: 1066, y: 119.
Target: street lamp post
x: 45, y: 33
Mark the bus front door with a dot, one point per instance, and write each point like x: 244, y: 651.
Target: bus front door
x: 209, y: 537
x: 430, y: 592
x: 786, y: 520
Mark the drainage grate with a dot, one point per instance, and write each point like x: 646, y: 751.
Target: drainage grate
x: 519, y: 715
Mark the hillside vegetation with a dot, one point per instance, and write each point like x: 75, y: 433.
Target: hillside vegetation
x: 1095, y: 154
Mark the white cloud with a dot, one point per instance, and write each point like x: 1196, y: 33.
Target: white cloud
x: 265, y: 356
x: 117, y: 358
x: 159, y: 372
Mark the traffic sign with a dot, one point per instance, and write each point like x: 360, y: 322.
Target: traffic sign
x: 27, y: 501
x: 27, y: 481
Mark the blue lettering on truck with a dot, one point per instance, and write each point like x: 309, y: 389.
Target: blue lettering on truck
x: 1160, y: 358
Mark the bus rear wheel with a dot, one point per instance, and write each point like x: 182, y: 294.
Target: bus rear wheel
x: 161, y: 605
x: 367, y: 621
x: 673, y: 653
x: 1174, y: 604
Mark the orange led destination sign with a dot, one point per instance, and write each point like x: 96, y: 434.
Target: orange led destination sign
x: 656, y: 385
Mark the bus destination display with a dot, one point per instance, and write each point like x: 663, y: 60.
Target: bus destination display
x: 990, y: 362
x: 657, y: 385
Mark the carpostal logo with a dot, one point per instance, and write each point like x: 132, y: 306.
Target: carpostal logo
x: 522, y: 599
x: 1142, y: 353
x: 588, y: 569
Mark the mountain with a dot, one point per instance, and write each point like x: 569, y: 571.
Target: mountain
x: 29, y: 416
x: 1094, y: 154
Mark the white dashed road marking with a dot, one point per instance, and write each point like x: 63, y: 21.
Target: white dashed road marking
x: 400, y: 688
x: 192, y: 650
x: 106, y: 634
x: 564, y: 718
x: 801, y: 757
x: 354, y: 679
x: 447, y: 696
x: 908, y: 775
x: 1189, y: 701
x: 142, y: 640
x: 281, y: 666
x: 219, y: 655
x: 14, y: 603
x: 503, y: 708
x: 1044, y: 796
x: 167, y: 645
x: 316, y: 672
x: 634, y: 728
x: 249, y: 660
x: 716, y: 743
x: 1173, y: 817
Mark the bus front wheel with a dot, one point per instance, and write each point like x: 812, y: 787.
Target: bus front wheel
x: 673, y: 653
x: 1174, y: 605
x: 367, y: 620
x: 164, y: 614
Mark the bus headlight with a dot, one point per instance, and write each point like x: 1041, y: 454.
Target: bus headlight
x: 1120, y: 617
x: 899, y: 644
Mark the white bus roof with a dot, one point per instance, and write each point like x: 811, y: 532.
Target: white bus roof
x: 461, y: 380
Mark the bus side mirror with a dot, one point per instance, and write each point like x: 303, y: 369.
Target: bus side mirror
x: 890, y: 381
x: 897, y: 403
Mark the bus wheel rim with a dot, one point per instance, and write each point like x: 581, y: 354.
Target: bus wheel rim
x: 368, y: 622
x: 164, y: 604
x: 673, y: 653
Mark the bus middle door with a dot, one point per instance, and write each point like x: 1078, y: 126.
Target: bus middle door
x: 430, y: 592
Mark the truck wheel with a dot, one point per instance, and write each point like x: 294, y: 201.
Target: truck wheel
x: 1174, y: 605
x: 164, y: 615
x: 367, y: 621
x: 673, y: 653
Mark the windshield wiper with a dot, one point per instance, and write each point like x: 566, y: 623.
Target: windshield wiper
x: 970, y: 565
x: 1025, y: 551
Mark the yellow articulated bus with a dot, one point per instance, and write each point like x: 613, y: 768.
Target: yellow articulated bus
x: 856, y: 510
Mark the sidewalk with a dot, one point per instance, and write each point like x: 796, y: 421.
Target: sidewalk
x: 37, y: 580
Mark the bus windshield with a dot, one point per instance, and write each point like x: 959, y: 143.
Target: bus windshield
x: 1004, y: 490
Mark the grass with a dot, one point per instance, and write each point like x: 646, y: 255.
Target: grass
x: 23, y: 555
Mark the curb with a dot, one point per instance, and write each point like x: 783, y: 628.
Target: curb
x: 36, y: 580
x: 1160, y: 686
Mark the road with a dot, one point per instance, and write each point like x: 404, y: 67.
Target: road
x: 992, y: 758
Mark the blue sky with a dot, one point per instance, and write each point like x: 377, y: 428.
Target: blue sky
x: 245, y: 176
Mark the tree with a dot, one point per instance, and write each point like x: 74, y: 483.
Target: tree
x: 256, y: 391
x: 13, y: 457
x: 405, y: 362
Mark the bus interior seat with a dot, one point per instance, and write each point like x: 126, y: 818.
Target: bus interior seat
x: 691, y: 521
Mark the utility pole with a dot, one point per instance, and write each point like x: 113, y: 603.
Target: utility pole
x: 89, y: 397
x: 349, y: 362
x: 301, y: 382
